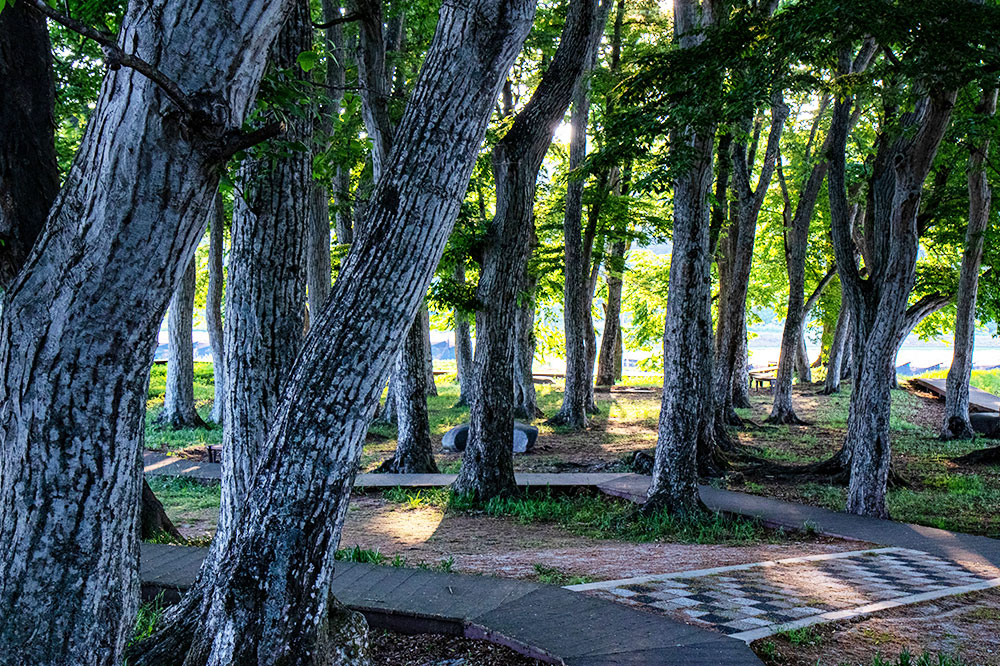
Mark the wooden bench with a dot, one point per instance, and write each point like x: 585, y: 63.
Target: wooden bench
x: 214, y: 453
x: 767, y: 376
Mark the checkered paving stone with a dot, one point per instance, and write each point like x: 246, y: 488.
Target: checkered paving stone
x: 755, y: 600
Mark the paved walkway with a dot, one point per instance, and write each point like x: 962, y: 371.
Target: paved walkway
x: 751, y: 601
x: 546, y: 622
x: 979, y: 400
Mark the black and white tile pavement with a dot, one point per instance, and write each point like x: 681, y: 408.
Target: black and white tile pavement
x: 750, y: 601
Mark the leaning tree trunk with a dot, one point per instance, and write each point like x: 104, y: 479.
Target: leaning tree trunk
x: 609, y: 362
x: 213, y: 308
x: 463, y: 346
x: 29, y: 175
x: 686, y: 406
x: 414, y: 453
x: 268, y: 599
x: 837, y: 349
x: 178, y: 400
x: 525, y: 400
x: 488, y: 466
x: 122, y: 231
x: 743, y: 233
x: 265, y: 301
x: 955, y: 424
x: 878, y: 303
x: 428, y: 352
x: 576, y: 283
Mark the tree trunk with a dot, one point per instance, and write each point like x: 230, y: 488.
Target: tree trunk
x: 336, y: 77
x: 388, y: 414
x: 414, y: 453
x: 803, y: 369
x: 955, y: 424
x: 318, y: 263
x: 124, y: 229
x: 268, y: 599
x: 463, y: 347
x: 742, y: 236
x: 741, y: 376
x: 488, y: 467
x: 29, y: 175
x: 576, y: 284
x: 265, y: 301
x: 838, y: 349
x: 525, y: 401
x: 609, y: 365
x: 686, y: 407
x: 153, y: 520
x: 213, y: 308
x: 178, y: 400
x: 878, y: 303
x: 428, y: 353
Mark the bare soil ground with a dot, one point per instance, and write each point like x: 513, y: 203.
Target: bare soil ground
x: 966, y: 627
x: 392, y: 649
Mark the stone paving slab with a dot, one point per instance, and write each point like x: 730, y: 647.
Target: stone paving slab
x: 750, y: 601
x: 979, y: 400
x: 547, y: 622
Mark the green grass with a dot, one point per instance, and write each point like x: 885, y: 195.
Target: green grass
x: 554, y: 576
x: 596, y: 516
x: 925, y: 659
x: 369, y: 556
x: 801, y: 636
x: 146, y: 619
x: 168, y: 439
x: 985, y: 380
x: 182, y: 497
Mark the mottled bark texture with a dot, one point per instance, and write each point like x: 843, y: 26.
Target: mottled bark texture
x: 178, y: 400
x: 463, y: 347
x: 837, y: 348
x: 686, y: 407
x: 414, y: 453
x: 488, y: 468
x: 427, y: 352
x: 267, y: 599
x: 213, y: 307
x: 153, y: 520
x: 85, y: 311
x: 731, y: 331
x: 376, y: 85
x: 336, y: 79
x: 318, y: 266
x: 29, y: 176
x: 266, y: 295
x: 525, y: 400
x: 576, y: 282
x: 955, y: 424
x: 878, y: 302
x: 609, y: 365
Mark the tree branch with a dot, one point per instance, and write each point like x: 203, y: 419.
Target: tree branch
x: 346, y: 18
x: 117, y: 58
x: 243, y: 140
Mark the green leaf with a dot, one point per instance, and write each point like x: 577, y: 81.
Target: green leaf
x: 307, y: 59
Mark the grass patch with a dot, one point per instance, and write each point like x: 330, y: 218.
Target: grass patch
x: 925, y: 659
x: 182, y: 498
x: 984, y: 380
x: 554, y: 576
x: 801, y: 636
x: 146, y: 619
x: 369, y: 556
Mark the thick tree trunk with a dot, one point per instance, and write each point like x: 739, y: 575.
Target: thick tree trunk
x: 387, y: 414
x: 265, y: 301
x: 609, y: 368
x: 336, y: 78
x: 178, y: 400
x: 488, y: 467
x: 576, y: 283
x: 955, y: 424
x: 428, y: 353
x: 741, y: 376
x: 463, y: 347
x: 414, y: 453
x: 268, y: 600
x: 318, y: 266
x: 686, y: 408
x: 29, y: 176
x: 878, y: 303
x: 123, y: 230
x: 803, y: 369
x: 742, y: 236
x: 213, y: 308
x: 837, y: 349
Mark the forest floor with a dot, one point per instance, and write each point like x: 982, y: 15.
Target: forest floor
x: 578, y: 538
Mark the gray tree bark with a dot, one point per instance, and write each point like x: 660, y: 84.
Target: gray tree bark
x: 336, y: 78
x: 414, y: 453
x: 525, y: 399
x: 122, y: 231
x: 213, y: 308
x: 265, y: 301
x: 318, y: 262
x: 463, y: 347
x: 686, y: 407
x: 178, y: 400
x: 609, y: 366
x: 741, y: 239
x: 803, y: 365
x: 878, y: 303
x: 488, y: 468
x: 837, y: 348
x: 428, y: 354
x: 955, y: 424
x: 576, y: 283
x: 270, y: 590
x: 29, y: 175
